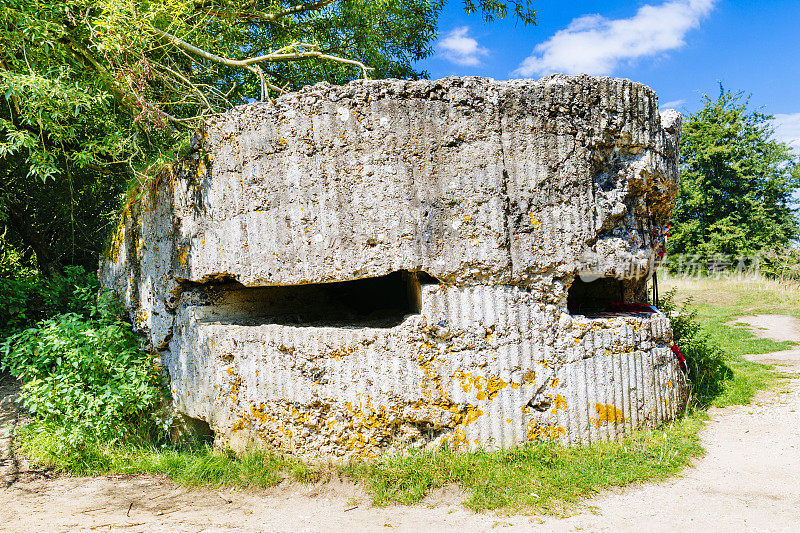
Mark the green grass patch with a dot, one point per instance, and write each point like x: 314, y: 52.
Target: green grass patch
x: 717, y: 303
x: 198, y: 465
x: 718, y: 322
x: 747, y: 377
x: 545, y: 478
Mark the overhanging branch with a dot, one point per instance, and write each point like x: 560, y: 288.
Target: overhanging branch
x: 260, y: 16
x: 302, y: 51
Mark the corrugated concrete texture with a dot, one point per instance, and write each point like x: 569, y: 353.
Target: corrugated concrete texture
x: 352, y: 269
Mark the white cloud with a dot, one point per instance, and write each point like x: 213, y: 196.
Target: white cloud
x: 787, y: 129
x: 593, y: 44
x: 673, y: 104
x: 461, y: 49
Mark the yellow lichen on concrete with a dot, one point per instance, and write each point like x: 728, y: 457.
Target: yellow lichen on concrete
x: 116, y: 240
x: 607, y: 414
x: 536, y: 223
x: 183, y: 254
x: 140, y: 317
x: 538, y: 431
x: 486, y: 388
x: 361, y: 429
x: 559, y: 402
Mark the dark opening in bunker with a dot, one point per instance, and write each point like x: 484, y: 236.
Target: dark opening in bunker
x: 381, y: 302
x: 592, y: 297
x: 188, y: 431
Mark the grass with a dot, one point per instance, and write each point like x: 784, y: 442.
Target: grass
x: 749, y: 295
x: 544, y: 478
x: 540, y: 478
x: 718, y: 302
x: 198, y: 465
x: 747, y: 377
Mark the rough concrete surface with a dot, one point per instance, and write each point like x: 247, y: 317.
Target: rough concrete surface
x: 352, y: 269
x: 749, y: 480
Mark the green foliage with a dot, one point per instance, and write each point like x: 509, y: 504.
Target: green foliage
x: 781, y: 263
x: 28, y: 297
x: 92, y: 93
x: 543, y: 477
x: 707, y: 371
x: 63, y: 137
x: 84, y: 376
x: 736, y: 183
x: 197, y: 466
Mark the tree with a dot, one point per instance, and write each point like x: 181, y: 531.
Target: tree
x: 736, y: 182
x: 95, y: 92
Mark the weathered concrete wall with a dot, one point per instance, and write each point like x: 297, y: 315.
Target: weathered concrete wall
x: 482, y: 201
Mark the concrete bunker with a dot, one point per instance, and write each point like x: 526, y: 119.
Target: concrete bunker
x: 351, y: 269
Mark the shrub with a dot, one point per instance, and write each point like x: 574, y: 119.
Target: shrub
x: 85, y: 376
x: 706, y: 370
x: 28, y: 297
x: 781, y: 263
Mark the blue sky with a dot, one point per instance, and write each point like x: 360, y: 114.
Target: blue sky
x: 680, y: 48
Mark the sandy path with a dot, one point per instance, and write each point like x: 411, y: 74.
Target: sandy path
x: 749, y: 480
x: 774, y: 327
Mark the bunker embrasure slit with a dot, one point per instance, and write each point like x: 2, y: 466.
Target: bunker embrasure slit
x: 593, y: 297
x: 378, y: 302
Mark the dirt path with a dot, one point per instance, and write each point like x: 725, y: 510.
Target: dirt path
x: 773, y: 327
x: 749, y: 480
